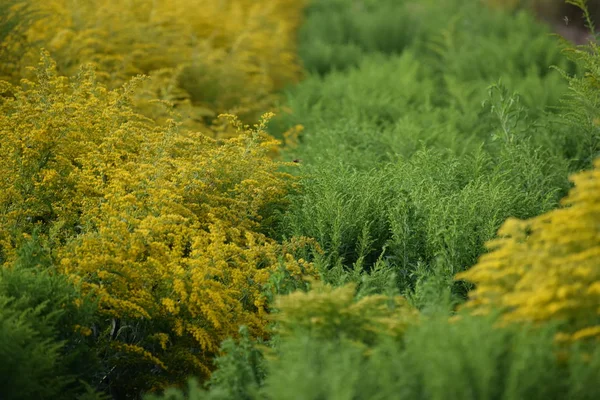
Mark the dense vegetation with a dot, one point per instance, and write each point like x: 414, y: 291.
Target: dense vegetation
x: 396, y: 230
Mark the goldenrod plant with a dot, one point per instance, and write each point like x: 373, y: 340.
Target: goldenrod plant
x: 16, y: 18
x: 546, y: 268
x: 326, y: 312
x: 206, y: 56
x: 161, y: 224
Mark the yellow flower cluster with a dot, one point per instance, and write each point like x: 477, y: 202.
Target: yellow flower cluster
x: 547, y: 268
x: 206, y: 56
x: 161, y: 222
x: 327, y: 312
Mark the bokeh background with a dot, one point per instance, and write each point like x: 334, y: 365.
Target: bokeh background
x: 566, y: 19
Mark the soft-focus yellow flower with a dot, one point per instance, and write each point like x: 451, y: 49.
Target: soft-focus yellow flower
x: 205, y: 56
x: 547, y: 268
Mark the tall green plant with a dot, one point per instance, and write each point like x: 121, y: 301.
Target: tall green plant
x: 582, y: 102
x: 45, y: 331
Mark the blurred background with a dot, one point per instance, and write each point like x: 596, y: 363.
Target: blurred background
x: 566, y: 19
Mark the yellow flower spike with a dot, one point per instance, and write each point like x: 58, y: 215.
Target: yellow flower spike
x: 85, y: 331
x: 159, y: 222
x: 590, y: 332
x: 546, y: 269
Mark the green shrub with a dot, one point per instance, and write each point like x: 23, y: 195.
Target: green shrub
x: 581, y: 105
x: 338, y: 33
x: 466, y: 359
x: 436, y: 208
x: 45, y: 324
x: 412, y: 159
x: 240, y: 369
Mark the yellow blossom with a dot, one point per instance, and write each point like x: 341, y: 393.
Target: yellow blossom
x: 546, y: 268
x: 162, y: 223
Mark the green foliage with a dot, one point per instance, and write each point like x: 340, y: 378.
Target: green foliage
x: 193, y: 391
x: 426, y: 125
x: 240, y: 369
x: 581, y: 105
x: 477, y: 45
x: 338, y: 33
x: 436, y: 208
x: 437, y: 361
x: 469, y: 358
x: 29, y: 357
x: 44, y: 320
x: 412, y: 159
